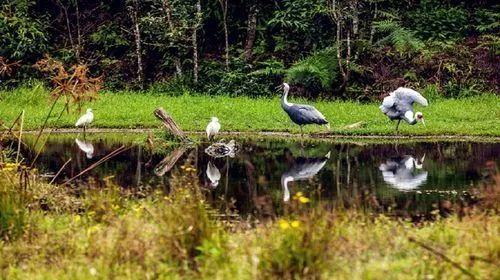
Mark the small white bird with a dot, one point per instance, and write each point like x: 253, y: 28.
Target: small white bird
x: 85, y: 147
x: 213, y: 128
x: 85, y: 120
x: 213, y: 174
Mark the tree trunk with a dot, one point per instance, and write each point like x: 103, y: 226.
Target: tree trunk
x: 171, y: 27
x: 137, y: 36
x: 251, y: 31
x: 78, y: 32
x: 372, y: 30
x: 223, y: 4
x: 195, y: 41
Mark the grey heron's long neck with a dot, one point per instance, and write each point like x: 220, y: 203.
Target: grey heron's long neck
x: 284, y: 101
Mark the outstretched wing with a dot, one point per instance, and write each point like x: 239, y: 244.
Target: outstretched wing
x: 309, y: 114
x: 409, y: 96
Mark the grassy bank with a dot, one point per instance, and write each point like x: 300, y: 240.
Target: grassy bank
x: 49, y: 232
x: 470, y: 116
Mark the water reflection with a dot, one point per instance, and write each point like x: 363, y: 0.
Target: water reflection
x: 264, y: 173
x: 221, y: 149
x: 302, y: 169
x: 401, y: 172
x: 213, y: 174
x: 86, y: 147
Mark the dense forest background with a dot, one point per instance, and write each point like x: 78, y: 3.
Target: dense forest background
x: 356, y: 49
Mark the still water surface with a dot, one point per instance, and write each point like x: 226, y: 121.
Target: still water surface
x: 404, y: 179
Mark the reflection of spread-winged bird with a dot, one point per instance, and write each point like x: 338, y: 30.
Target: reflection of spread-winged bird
x: 213, y: 174
x: 399, y: 106
x: 221, y: 149
x: 302, y: 169
x: 400, y: 172
x: 86, y: 147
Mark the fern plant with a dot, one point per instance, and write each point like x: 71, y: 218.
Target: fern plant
x: 403, y: 39
x: 316, y: 72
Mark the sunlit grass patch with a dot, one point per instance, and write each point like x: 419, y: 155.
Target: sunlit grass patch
x: 479, y: 115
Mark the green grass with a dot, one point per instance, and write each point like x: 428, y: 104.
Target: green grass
x: 478, y: 115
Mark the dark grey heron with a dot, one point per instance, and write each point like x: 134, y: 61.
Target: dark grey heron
x: 400, y: 172
x: 302, y: 169
x: 399, y: 106
x: 301, y: 114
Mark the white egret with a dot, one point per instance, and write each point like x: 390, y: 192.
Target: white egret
x: 85, y: 120
x: 213, y: 128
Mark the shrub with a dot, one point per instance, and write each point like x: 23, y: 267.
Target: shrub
x: 317, y: 73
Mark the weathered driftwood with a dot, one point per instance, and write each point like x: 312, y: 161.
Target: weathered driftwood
x: 169, y: 123
x: 169, y: 161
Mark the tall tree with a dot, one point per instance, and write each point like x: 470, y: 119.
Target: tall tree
x: 223, y: 5
x: 134, y: 10
x: 196, y: 26
x: 251, y: 31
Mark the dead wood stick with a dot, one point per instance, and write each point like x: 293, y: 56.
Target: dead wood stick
x: 108, y: 156
x: 442, y: 256
x: 169, y: 123
x: 60, y: 170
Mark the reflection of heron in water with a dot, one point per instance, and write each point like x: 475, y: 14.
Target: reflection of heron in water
x: 302, y: 169
x: 86, y: 147
x: 213, y: 174
x: 400, y: 172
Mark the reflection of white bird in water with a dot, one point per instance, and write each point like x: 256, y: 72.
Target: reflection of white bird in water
x: 85, y: 120
x: 86, y: 147
x: 303, y: 169
x: 400, y: 173
x: 213, y: 174
x: 213, y: 128
x: 399, y: 106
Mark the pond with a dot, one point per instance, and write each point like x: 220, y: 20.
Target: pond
x: 407, y: 179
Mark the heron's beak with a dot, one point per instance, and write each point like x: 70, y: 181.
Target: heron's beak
x: 423, y: 121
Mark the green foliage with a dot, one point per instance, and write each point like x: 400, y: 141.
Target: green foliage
x: 13, y: 213
x: 23, y: 36
x: 109, y: 39
x: 403, y: 39
x: 437, y: 21
x: 241, y: 79
x: 487, y: 21
x: 318, y: 72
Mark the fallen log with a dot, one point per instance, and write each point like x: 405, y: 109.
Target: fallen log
x: 169, y: 123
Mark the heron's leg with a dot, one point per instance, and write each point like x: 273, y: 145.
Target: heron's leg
x: 301, y: 131
x: 397, y: 127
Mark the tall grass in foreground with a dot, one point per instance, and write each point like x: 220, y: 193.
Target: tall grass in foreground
x: 89, y: 232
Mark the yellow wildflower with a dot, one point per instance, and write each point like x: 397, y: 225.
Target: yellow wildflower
x: 295, y: 224
x: 283, y: 224
x: 303, y: 199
